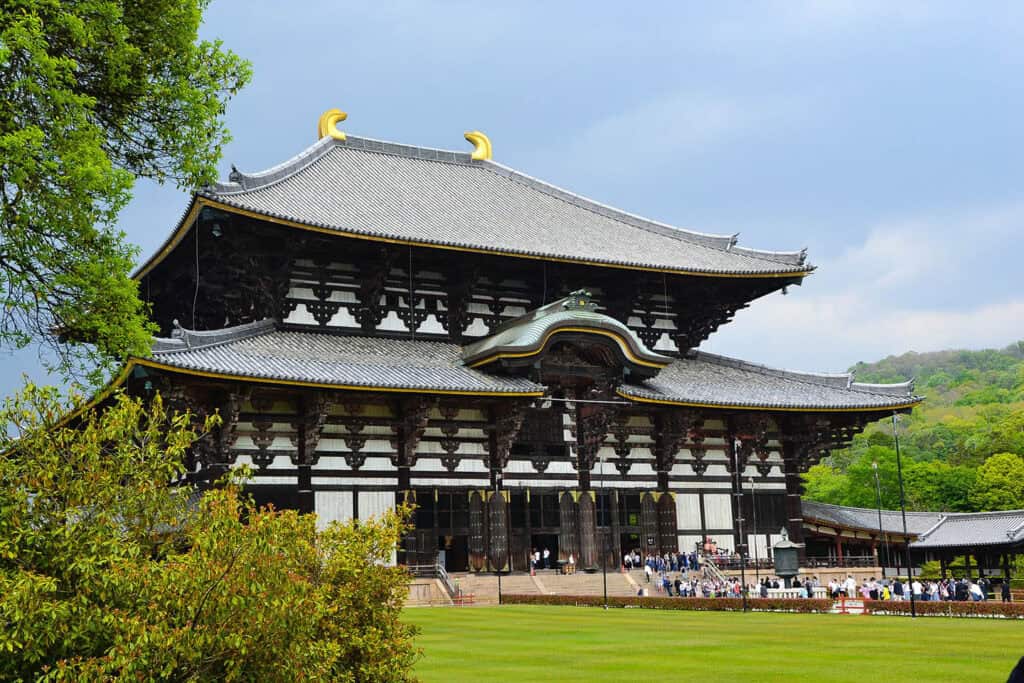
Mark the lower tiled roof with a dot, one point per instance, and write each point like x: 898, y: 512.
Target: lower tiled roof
x: 260, y: 351
x: 867, y: 519
x: 707, y: 379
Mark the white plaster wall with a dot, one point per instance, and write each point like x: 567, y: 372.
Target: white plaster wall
x: 717, y: 511
x: 375, y: 503
x: 332, y: 506
x: 687, y: 542
x: 688, y: 511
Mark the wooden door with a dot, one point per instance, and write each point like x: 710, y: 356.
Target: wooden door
x: 648, y: 525
x: 667, y: 533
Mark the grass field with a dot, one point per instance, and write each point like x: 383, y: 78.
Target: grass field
x: 525, y: 643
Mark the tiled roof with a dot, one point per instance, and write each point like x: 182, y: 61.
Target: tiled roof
x: 427, y: 196
x: 260, y: 351
x: 707, y: 379
x: 867, y: 519
x: 974, y: 529
x: 932, y: 529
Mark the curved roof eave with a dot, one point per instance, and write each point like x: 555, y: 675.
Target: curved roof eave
x: 769, y: 407
x: 777, y: 265
x: 200, y: 200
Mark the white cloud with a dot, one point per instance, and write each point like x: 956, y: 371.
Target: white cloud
x: 899, y: 290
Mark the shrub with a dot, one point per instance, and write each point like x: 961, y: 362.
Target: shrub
x: 1008, y: 610
x: 685, y: 604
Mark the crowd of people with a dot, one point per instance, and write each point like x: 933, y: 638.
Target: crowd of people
x: 959, y: 589
x: 658, y: 564
x: 683, y: 575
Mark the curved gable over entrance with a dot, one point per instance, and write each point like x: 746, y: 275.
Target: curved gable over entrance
x: 569, y: 325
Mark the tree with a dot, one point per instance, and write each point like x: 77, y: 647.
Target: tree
x: 1000, y: 483
x: 106, y: 572
x: 93, y: 94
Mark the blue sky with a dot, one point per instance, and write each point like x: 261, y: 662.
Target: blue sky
x: 885, y: 137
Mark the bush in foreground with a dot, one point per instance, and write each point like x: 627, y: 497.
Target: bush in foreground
x: 107, y: 572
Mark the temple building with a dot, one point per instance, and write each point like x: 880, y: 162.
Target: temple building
x: 379, y: 322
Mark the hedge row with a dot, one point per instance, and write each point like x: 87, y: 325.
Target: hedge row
x: 1009, y: 610
x: 689, y: 604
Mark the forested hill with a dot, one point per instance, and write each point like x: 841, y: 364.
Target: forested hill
x: 955, y: 377
x: 963, y: 448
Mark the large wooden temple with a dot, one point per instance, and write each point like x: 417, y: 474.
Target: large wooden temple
x: 379, y: 322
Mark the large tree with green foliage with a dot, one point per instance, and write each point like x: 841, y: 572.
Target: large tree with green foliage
x: 93, y: 94
x: 108, y: 573
x: 1000, y: 484
x: 974, y: 410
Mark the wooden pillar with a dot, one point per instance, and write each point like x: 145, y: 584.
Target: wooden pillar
x: 615, y: 542
x: 592, y: 425
x: 497, y: 530
x: 568, y: 539
x: 791, y: 454
x: 589, y: 556
x: 942, y: 565
x: 839, y: 548
x: 967, y: 565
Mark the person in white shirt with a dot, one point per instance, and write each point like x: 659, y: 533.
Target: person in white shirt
x: 547, y: 559
x: 916, y: 588
x: 851, y: 586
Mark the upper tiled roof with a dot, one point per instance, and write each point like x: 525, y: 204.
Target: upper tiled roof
x: 435, y: 197
x: 707, y: 379
x: 262, y: 352
x: 867, y: 519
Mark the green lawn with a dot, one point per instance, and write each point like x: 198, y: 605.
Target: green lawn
x: 525, y: 643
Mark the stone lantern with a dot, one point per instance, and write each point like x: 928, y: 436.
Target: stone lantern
x: 786, y: 555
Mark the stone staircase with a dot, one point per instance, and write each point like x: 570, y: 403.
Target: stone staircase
x: 427, y: 593
x: 582, y: 583
x: 484, y: 587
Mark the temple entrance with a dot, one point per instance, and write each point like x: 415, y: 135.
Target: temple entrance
x: 455, y: 553
x: 630, y: 542
x: 549, y: 541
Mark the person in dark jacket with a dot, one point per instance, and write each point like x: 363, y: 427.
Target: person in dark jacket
x: 1005, y: 591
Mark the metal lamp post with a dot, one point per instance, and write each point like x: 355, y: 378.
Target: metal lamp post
x: 497, y: 492
x: 739, y: 522
x: 878, y: 498
x: 753, y: 505
x: 903, y: 511
x: 604, y: 535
